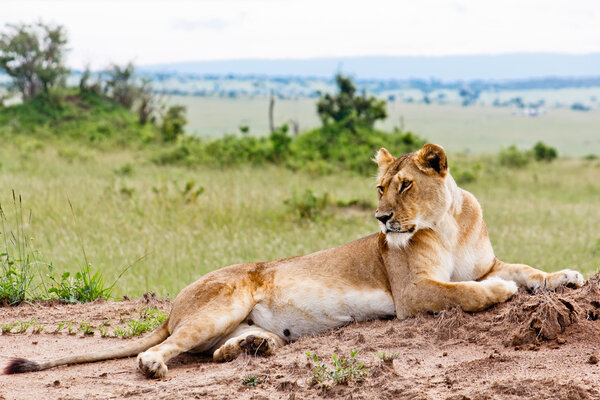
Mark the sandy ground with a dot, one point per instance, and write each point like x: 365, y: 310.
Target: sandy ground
x: 537, y: 346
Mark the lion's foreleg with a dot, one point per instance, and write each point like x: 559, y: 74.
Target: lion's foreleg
x: 532, y: 278
x: 432, y: 295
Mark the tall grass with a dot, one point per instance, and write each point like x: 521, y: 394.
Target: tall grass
x: 18, y: 256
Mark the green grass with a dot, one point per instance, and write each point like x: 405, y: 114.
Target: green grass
x: 149, y: 319
x: 544, y: 214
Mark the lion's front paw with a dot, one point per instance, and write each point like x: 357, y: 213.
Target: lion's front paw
x: 500, y: 289
x: 566, y: 277
x: 152, y: 365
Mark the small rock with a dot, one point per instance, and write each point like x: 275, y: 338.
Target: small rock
x: 56, y: 383
x: 561, y: 340
x: 592, y: 360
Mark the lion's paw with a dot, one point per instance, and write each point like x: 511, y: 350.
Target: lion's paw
x: 500, y: 289
x: 227, y: 352
x: 566, y: 277
x: 257, y: 345
x: 151, y: 365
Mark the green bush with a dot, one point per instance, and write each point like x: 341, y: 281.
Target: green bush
x: 543, y: 152
x: 513, y: 157
x: 308, y: 205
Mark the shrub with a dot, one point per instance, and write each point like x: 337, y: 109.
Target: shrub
x: 308, y: 205
x: 543, y: 152
x: 513, y: 157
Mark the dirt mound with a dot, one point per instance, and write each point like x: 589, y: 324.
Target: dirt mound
x: 542, y: 345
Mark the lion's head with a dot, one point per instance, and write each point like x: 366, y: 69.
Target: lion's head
x: 413, y: 193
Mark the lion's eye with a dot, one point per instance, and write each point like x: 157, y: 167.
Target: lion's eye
x: 405, y: 186
x: 380, y: 189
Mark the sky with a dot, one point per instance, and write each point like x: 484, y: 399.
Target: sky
x: 154, y: 32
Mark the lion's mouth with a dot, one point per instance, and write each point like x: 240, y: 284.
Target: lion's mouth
x: 396, y: 230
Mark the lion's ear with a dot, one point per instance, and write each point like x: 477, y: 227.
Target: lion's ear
x: 432, y: 159
x: 383, y: 158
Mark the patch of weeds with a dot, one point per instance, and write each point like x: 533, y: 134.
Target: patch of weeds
x: 388, y: 358
x: 127, y: 191
x: 17, y: 257
x: 37, y: 328
x: 84, y: 287
x: 22, y: 327
x: 149, y: 319
x: 344, y: 369
x: 70, y: 329
x: 308, y: 205
x: 102, y: 328
x: 251, y: 380
x: 124, y: 170
x: 7, y: 328
x: 191, y: 192
x: 86, y: 328
x: 590, y: 157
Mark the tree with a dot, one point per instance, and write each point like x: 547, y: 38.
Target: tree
x: 121, y: 86
x: 33, y: 55
x: 173, y: 123
x: 348, y: 108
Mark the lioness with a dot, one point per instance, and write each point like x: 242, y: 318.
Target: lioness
x: 433, y: 252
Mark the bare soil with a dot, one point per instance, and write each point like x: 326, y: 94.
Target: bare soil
x: 536, y: 346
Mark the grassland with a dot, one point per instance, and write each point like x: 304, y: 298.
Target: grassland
x: 126, y: 207
x: 475, y: 129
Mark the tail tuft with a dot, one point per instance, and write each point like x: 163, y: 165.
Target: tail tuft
x: 20, y: 365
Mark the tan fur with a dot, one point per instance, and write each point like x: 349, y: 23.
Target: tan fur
x: 433, y: 252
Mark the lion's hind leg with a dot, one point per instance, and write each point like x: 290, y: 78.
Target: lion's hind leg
x: 534, y: 279
x: 249, y: 339
x: 213, y: 318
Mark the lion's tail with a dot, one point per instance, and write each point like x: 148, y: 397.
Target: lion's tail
x: 19, y: 365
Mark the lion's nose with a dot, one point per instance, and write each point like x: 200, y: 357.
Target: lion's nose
x: 384, y: 217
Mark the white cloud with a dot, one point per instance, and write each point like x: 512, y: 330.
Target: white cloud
x: 103, y: 31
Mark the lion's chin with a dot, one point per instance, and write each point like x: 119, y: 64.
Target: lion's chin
x: 398, y: 239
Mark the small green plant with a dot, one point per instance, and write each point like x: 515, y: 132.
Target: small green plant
x: 21, y: 327
x: 60, y: 326
x: 149, y: 319
x: 308, y: 205
x: 37, y: 328
x: 125, y: 170
x: 251, y: 380
x: 387, y: 357
x: 102, y: 328
x: 86, y: 328
x: 84, y: 287
x: 344, y: 369
x: 70, y: 330
x: 513, y: 157
x: 7, y: 328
